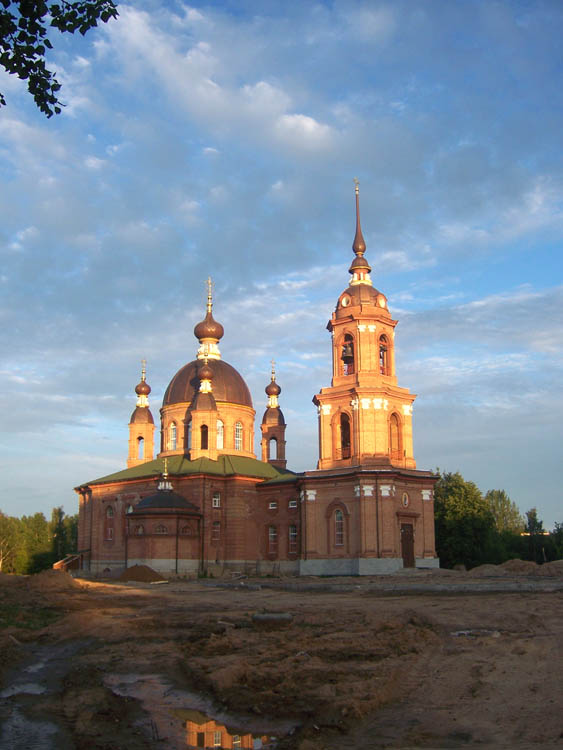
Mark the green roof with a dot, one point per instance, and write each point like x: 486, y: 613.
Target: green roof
x: 181, y: 466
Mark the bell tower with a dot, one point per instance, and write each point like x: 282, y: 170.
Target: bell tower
x: 141, y: 426
x: 364, y: 416
x: 273, y: 426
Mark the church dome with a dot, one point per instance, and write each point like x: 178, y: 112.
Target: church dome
x: 228, y: 384
x: 164, y: 499
x: 209, y: 328
x: 273, y: 416
x: 141, y: 415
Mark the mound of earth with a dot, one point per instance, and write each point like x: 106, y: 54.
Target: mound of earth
x: 52, y: 580
x: 524, y: 567
x: 484, y: 571
x: 140, y: 573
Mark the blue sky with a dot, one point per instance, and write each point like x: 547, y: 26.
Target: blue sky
x: 223, y: 139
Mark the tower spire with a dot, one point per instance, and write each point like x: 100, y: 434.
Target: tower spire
x: 360, y: 268
x: 209, y: 332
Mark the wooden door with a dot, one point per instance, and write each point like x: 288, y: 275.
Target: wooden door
x: 407, y: 545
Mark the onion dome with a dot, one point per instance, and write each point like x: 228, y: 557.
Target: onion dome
x: 273, y: 390
x: 142, y: 414
x: 205, y: 372
x: 208, y: 331
x: 360, y: 268
x: 143, y: 388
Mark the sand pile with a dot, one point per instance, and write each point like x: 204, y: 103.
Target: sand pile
x: 487, y: 570
x: 554, y: 568
x: 141, y: 573
x: 52, y: 580
x: 523, y: 567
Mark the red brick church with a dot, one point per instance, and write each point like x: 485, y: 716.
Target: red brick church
x: 206, y: 504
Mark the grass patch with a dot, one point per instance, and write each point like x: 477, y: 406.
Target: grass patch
x: 30, y: 618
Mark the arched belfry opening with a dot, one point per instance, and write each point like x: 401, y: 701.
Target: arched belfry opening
x: 204, y: 437
x: 348, y: 364
x: 345, y: 436
x: 384, y: 355
x: 395, y: 438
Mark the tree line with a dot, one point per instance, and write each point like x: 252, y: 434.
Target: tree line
x: 473, y: 529
x: 31, y: 543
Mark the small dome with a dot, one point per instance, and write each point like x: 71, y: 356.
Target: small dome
x: 359, y: 264
x: 361, y: 294
x: 228, y: 385
x: 209, y: 328
x: 141, y: 415
x: 165, y: 499
x: 273, y: 389
x: 205, y: 372
x: 142, y: 388
x: 273, y: 417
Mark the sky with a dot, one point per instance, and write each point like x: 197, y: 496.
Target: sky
x: 222, y: 139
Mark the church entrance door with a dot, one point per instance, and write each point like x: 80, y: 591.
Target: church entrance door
x: 407, y: 545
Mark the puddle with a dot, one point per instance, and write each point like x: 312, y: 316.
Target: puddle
x: 187, y: 720
x: 42, y: 675
x: 30, y: 688
x: 476, y: 633
x: 19, y: 733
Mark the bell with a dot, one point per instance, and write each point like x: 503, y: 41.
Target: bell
x: 348, y: 353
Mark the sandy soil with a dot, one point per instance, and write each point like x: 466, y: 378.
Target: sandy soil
x: 428, y: 659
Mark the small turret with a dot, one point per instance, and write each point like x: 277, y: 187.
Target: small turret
x: 273, y: 426
x: 141, y: 425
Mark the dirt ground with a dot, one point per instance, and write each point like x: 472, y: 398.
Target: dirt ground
x: 430, y: 659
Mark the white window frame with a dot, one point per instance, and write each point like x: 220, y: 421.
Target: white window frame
x: 216, y: 500
x: 273, y: 505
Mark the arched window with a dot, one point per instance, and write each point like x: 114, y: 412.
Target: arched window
x: 109, y: 512
x: 272, y: 540
x: 161, y: 529
x: 292, y: 539
x: 204, y: 437
x: 272, y: 448
x: 189, y: 437
x: 186, y: 530
x: 383, y: 355
x: 139, y: 530
x: 348, y: 355
x: 338, y: 528
x: 238, y: 436
x: 395, y: 450
x: 220, y: 435
x: 140, y: 447
x: 216, y: 532
x: 173, y: 438
x: 345, y: 435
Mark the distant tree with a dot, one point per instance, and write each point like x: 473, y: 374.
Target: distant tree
x: 557, y: 541
x: 24, y: 40
x: 505, y: 512
x: 465, y: 526
x: 535, y: 530
x: 8, y: 543
x: 71, y: 531
x: 37, y: 543
x: 58, y: 534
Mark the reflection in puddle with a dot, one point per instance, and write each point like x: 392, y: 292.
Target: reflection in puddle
x: 200, y: 725
x: 19, y: 733
x: 31, y: 688
x: 204, y: 732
